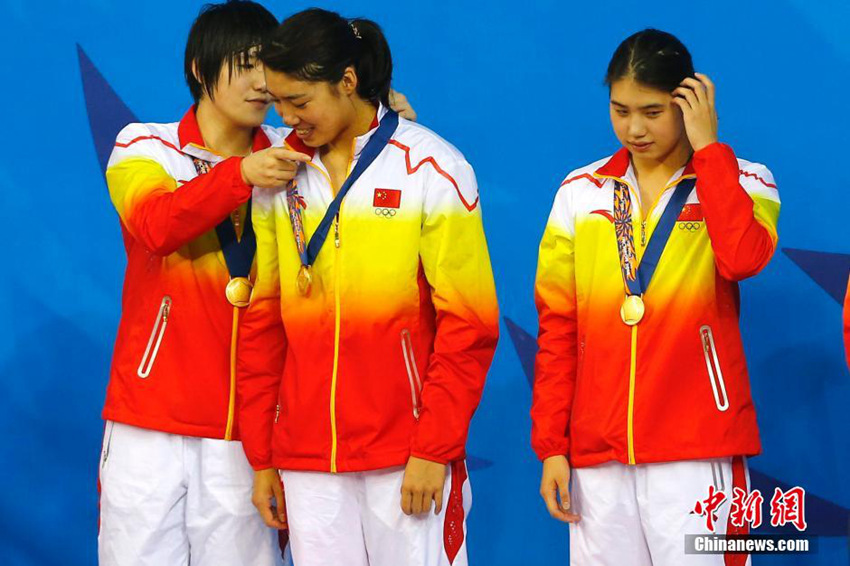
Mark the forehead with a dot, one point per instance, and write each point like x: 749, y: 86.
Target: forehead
x: 631, y: 93
x: 283, y: 85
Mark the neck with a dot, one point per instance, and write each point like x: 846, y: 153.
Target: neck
x: 363, y: 114
x: 220, y: 133
x: 667, y: 165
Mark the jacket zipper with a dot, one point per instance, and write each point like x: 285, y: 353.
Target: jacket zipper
x: 715, y: 374
x: 412, y: 371
x: 632, y: 370
x: 231, y: 402
x: 335, y: 374
x: 155, y: 340
x: 337, y: 316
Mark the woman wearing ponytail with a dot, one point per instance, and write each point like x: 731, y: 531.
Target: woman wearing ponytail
x: 373, y: 320
x: 641, y: 395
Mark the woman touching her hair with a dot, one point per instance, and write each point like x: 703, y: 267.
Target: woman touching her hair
x: 641, y: 395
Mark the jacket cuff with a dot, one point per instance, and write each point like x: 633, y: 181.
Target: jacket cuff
x: 233, y: 168
x: 717, y: 157
x: 432, y: 457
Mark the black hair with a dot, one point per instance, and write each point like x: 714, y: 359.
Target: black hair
x: 222, y: 34
x: 318, y: 45
x: 651, y: 57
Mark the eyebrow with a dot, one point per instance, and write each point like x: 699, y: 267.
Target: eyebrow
x: 656, y: 105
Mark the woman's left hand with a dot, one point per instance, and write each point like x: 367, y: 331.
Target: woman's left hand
x: 422, y: 484
x: 696, y: 99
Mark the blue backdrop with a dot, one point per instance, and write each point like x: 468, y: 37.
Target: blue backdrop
x: 518, y: 88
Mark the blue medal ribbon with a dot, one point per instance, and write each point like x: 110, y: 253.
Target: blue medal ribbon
x: 238, y: 253
x: 373, y: 148
x: 660, y: 236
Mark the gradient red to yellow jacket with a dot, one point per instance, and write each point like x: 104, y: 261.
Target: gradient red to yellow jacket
x: 387, y: 355
x: 171, y: 366
x: 675, y: 386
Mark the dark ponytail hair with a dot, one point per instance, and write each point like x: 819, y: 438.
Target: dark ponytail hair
x: 318, y: 45
x: 653, y: 58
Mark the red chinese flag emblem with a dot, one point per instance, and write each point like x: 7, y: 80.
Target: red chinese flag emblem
x: 387, y: 198
x: 691, y: 213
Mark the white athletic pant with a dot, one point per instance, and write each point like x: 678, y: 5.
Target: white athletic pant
x: 170, y: 500
x: 639, y: 515
x: 355, y: 519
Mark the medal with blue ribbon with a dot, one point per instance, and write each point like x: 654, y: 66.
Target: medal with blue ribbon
x: 637, y: 280
x: 238, y: 252
x: 310, y: 251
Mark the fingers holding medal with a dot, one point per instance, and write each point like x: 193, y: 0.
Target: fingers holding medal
x: 272, y: 167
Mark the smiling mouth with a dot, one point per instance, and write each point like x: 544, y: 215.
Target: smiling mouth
x: 303, y: 132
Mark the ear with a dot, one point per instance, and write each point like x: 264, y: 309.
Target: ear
x: 195, y: 72
x: 348, y: 82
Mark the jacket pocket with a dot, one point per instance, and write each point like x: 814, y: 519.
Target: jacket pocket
x: 412, y: 371
x: 155, y: 340
x: 715, y: 373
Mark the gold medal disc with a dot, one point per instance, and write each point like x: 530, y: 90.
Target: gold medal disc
x: 304, y: 280
x: 632, y: 310
x: 238, y: 292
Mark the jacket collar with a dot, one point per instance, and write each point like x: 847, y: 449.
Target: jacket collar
x: 619, y: 167
x: 192, y: 142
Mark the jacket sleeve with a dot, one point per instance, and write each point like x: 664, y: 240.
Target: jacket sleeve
x: 155, y: 210
x: 456, y: 263
x: 555, y: 363
x: 261, y: 346
x: 741, y: 208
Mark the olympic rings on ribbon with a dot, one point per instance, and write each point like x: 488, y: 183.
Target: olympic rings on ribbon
x: 690, y: 226
x: 385, y: 212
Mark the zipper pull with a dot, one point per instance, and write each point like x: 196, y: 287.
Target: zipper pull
x: 276, y: 413
x: 165, y: 310
x: 336, y: 230
x: 643, y: 233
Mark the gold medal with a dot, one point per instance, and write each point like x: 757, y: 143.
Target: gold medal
x: 632, y: 310
x: 304, y: 280
x: 238, y: 292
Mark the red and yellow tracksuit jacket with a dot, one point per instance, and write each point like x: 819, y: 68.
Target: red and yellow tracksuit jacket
x: 386, y: 356
x: 675, y: 386
x: 171, y: 367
